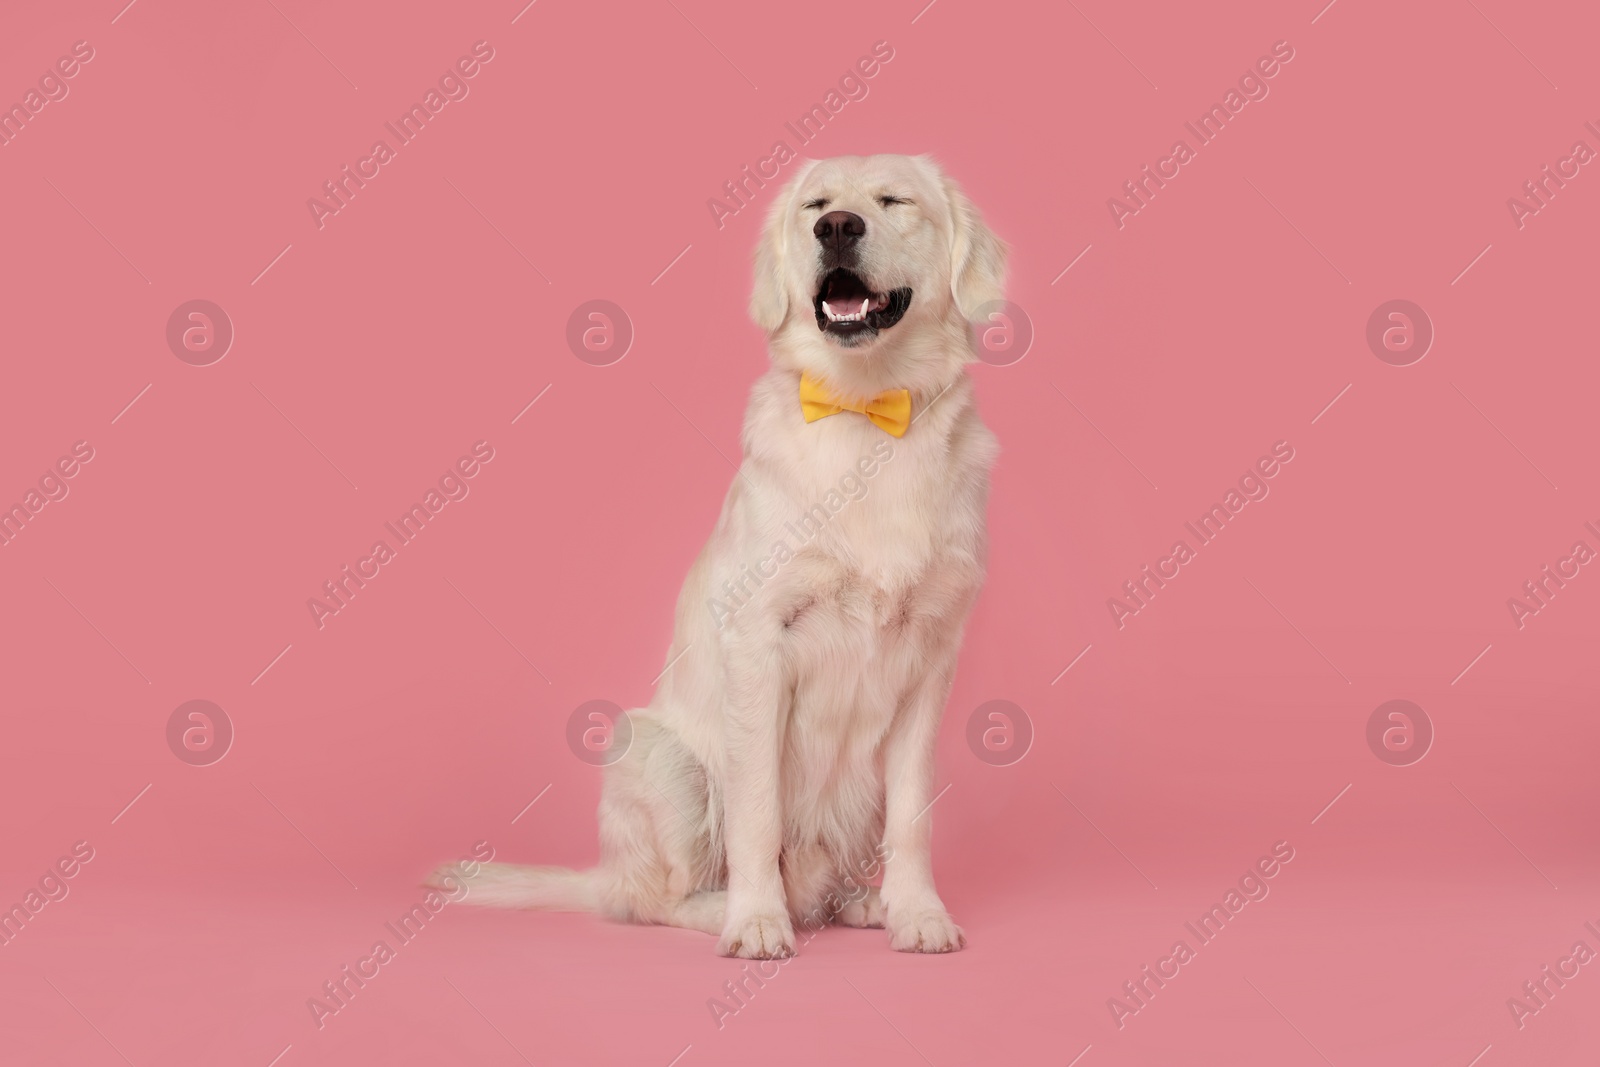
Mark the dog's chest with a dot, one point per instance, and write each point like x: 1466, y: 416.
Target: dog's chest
x: 890, y: 512
x: 884, y: 575
x: 859, y: 647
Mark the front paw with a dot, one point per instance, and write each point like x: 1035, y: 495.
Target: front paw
x: 759, y: 937
x: 928, y: 930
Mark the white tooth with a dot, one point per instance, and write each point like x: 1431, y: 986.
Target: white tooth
x: 827, y: 307
x: 863, y: 309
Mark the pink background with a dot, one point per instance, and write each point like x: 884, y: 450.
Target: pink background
x: 428, y: 313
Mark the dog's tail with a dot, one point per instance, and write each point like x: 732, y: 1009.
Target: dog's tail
x: 505, y: 885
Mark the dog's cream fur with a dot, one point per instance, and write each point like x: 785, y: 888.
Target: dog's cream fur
x: 792, y: 740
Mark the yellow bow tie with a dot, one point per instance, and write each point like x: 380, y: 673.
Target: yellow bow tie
x: 890, y: 411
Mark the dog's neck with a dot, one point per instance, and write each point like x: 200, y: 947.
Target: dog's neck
x: 925, y: 362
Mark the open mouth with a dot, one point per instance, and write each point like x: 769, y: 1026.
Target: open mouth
x: 847, y: 308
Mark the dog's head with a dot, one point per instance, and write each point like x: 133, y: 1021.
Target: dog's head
x: 870, y: 267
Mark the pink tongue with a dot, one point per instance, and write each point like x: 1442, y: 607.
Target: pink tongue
x: 852, y: 305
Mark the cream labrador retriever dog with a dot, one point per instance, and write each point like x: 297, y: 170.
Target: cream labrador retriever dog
x: 788, y: 753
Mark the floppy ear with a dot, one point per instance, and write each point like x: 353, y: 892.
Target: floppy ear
x: 769, y: 298
x: 977, y: 256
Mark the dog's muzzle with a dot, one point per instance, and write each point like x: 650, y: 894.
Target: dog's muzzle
x: 850, y: 311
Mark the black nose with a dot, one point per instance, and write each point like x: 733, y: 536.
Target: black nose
x: 839, y: 230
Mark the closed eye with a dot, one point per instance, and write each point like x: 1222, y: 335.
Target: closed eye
x: 816, y: 204
x: 890, y: 201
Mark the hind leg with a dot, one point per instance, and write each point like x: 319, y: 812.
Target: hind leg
x: 810, y: 886
x: 656, y: 832
x: 865, y: 913
x: 703, y: 911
